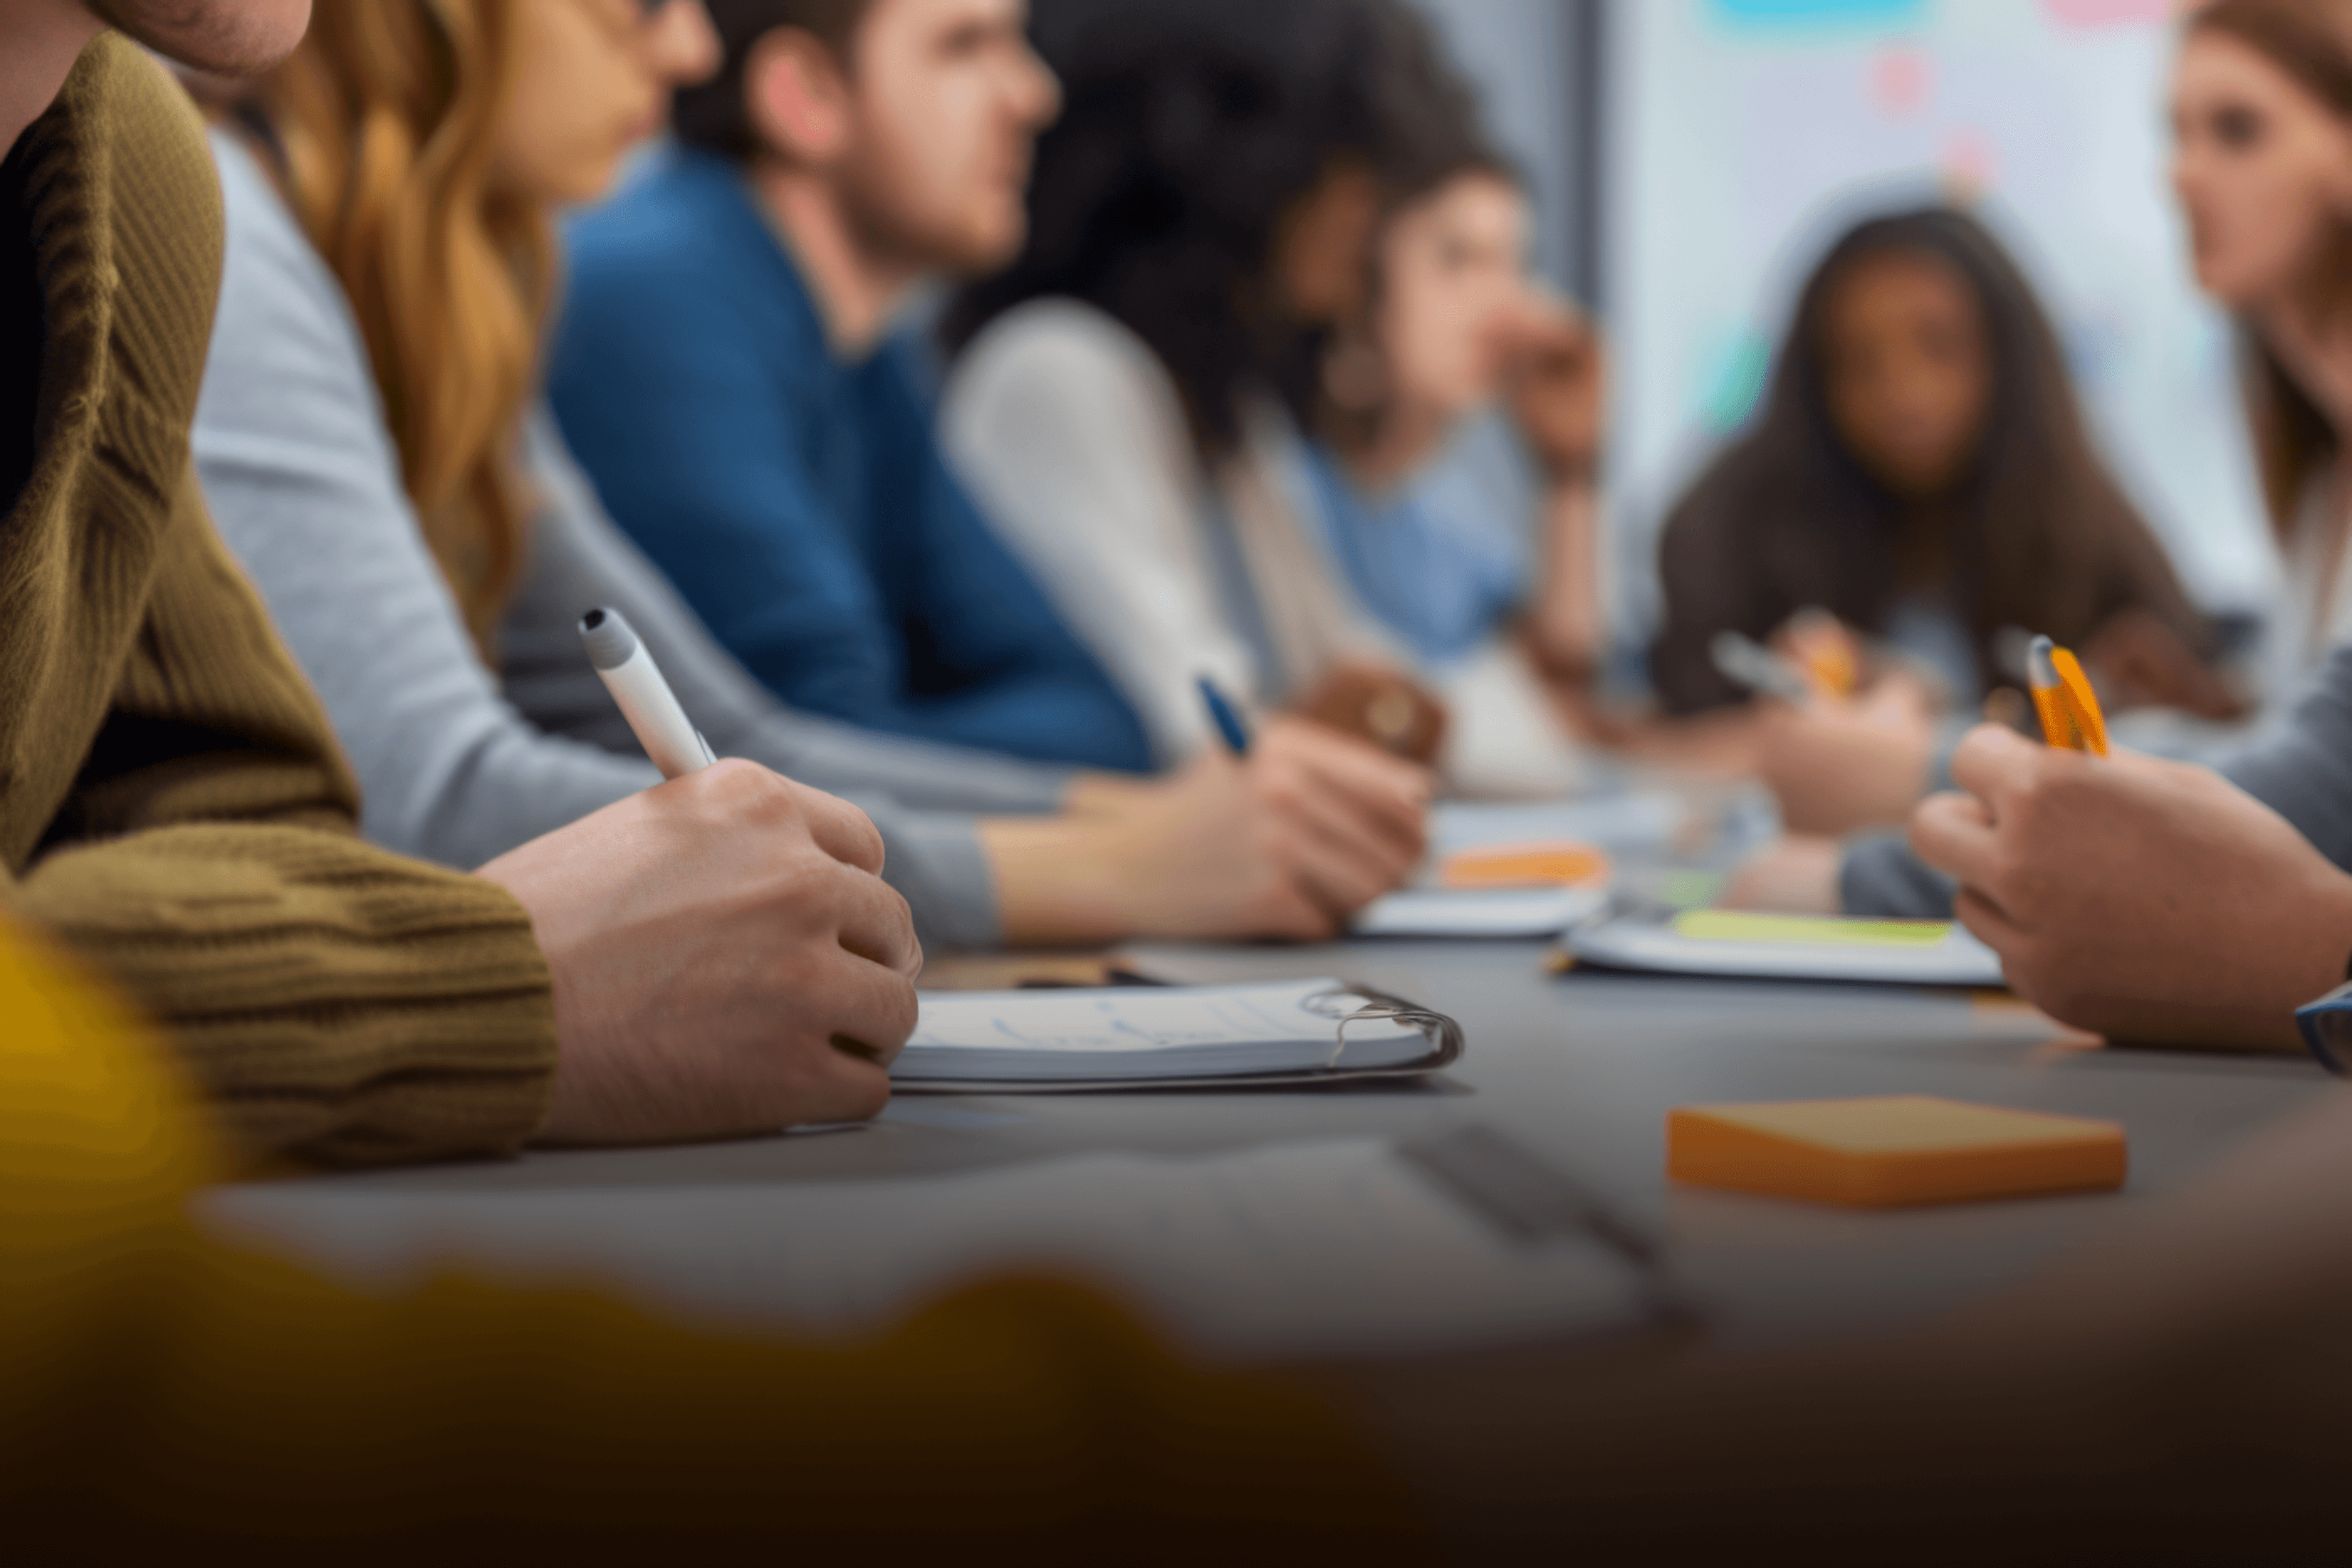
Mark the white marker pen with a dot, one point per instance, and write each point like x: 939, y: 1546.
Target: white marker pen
x: 1742, y: 659
x: 644, y: 699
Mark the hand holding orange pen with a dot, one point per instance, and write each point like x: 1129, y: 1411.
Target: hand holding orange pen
x: 1825, y: 650
x: 2063, y: 699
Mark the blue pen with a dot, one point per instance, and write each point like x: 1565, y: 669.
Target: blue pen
x: 1226, y: 717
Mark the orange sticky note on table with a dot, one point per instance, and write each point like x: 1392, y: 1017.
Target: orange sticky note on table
x: 1891, y: 1151
x: 1544, y: 865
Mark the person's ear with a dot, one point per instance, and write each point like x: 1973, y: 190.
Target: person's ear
x: 796, y: 96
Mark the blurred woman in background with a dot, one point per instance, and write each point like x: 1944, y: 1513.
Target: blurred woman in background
x: 1921, y: 471
x: 1456, y: 325
x: 1131, y: 395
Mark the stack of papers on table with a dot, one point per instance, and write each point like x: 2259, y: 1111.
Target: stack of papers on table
x: 1735, y: 944
x: 1135, y: 1036
x: 1494, y: 913
x: 1530, y: 888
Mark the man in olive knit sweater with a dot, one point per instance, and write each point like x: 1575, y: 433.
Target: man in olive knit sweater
x: 714, y: 956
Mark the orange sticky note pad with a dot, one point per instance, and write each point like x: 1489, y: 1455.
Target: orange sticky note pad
x: 1891, y: 1151
x: 1524, y: 865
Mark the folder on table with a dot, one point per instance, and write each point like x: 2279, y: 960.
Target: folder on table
x: 1734, y: 944
x: 1175, y: 1036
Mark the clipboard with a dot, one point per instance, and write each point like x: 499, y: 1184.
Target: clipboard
x: 1732, y: 945
x: 1342, y: 1003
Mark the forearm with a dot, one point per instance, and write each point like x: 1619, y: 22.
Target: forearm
x: 1568, y: 621
x: 332, y: 1001
x: 1059, y: 879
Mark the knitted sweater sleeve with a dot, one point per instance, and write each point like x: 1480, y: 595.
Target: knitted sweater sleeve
x: 334, y: 1000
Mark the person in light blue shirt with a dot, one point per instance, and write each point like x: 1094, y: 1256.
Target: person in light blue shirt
x: 1417, y: 556
x: 725, y: 371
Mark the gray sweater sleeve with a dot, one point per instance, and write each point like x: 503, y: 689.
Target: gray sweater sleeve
x: 300, y: 469
x: 304, y: 482
x: 2305, y: 772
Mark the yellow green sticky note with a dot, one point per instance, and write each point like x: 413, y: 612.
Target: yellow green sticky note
x: 1809, y: 930
x: 1892, y: 1150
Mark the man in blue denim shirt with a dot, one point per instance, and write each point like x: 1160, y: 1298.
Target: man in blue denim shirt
x: 723, y: 372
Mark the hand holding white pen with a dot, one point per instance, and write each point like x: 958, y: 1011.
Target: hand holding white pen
x: 644, y: 698
x: 767, y: 893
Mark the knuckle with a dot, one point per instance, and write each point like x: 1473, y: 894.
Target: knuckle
x: 733, y: 776
x: 747, y: 790
x: 870, y: 842
x: 903, y: 1010
x: 1281, y: 786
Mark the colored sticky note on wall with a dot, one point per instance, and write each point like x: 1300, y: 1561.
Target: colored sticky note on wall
x: 1808, y: 931
x: 1814, y: 13
x: 2089, y: 14
x: 1892, y: 1150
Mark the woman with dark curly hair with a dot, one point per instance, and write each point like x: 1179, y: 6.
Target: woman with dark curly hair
x: 1130, y: 391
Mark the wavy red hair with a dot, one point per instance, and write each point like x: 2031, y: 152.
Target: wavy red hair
x: 386, y: 120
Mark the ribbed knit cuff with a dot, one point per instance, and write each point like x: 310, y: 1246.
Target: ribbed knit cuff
x: 334, y: 1001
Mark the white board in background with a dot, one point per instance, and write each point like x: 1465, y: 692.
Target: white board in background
x: 1738, y: 130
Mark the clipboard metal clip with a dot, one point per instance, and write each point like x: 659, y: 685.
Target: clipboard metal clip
x: 1443, y: 1033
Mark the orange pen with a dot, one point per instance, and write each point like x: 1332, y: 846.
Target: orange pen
x: 2063, y: 699
x: 1825, y: 650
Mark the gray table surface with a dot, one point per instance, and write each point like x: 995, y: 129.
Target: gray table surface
x: 1580, y: 1069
